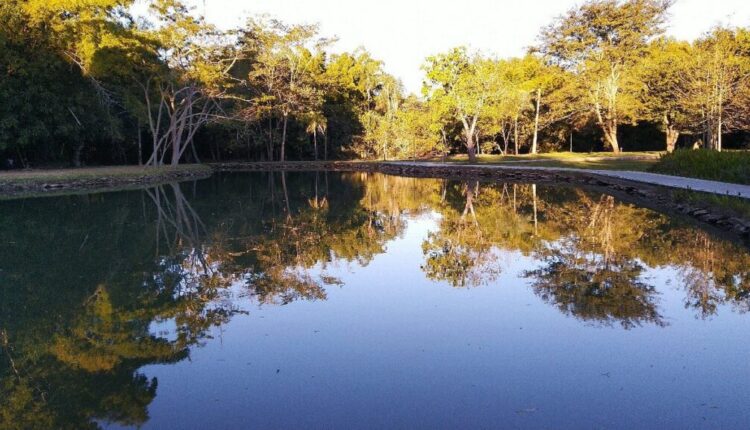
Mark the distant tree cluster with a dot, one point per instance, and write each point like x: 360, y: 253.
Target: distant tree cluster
x: 87, y: 82
x: 601, y: 66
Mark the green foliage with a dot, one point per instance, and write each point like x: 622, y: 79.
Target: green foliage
x: 84, y: 81
x: 487, y: 99
x: 730, y: 166
x: 51, y: 108
x: 601, y: 43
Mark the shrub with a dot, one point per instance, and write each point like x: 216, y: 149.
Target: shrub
x: 730, y: 166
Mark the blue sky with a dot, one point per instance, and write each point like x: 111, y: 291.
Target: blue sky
x: 403, y: 32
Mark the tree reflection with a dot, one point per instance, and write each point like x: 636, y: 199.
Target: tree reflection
x: 595, y: 289
x: 71, y: 352
x: 80, y: 297
x: 82, y: 363
x: 459, y: 252
x: 589, y: 273
x: 712, y: 272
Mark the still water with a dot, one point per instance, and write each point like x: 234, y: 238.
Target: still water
x: 329, y: 300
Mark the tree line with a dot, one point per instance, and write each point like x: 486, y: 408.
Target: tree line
x: 90, y: 82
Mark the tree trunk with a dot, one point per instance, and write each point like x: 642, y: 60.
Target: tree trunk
x: 77, y: 155
x: 270, y: 138
x: 534, y: 143
x: 672, y: 136
x: 140, y: 145
x: 671, y: 133
x: 608, y: 124
x: 515, y: 135
x: 315, y: 143
x: 470, y: 128
x: 325, y: 146
x: 175, y: 152
x: 471, y: 146
x: 283, y: 138
x: 610, y: 135
x: 719, y: 133
x: 711, y: 137
x: 571, y: 140
x: 472, y: 154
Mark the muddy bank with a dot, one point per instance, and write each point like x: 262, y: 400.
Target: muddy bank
x: 55, y: 182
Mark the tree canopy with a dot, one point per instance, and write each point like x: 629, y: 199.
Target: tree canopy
x: 89, y: 82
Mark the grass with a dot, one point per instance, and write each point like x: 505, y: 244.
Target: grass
x: 731, y: 166
x: 113, y: 173
x: 640, y: 161
x: 731, y: 206
x: 604, y: 164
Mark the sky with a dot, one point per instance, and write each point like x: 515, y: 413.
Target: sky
x: 402, y: 33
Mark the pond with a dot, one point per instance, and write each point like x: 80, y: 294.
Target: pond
x: 352, y: 300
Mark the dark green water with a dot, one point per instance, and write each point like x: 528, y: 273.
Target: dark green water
x: 321, y: 300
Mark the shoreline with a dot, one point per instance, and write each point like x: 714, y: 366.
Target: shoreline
x: 655, y: 197
x: 40, y: 183
x: 103, y: 179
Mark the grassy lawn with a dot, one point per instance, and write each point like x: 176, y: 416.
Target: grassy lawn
x: 114, y: 173
x: 639, y: 161
x: 728, y: 166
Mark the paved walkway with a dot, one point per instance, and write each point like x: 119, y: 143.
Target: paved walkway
x: 692, y: 184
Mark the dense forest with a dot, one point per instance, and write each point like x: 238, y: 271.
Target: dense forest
x: 90, y: 82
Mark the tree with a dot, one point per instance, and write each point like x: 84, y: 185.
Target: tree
x: 316, y: 124
x: 520, y: 82
x: 351, y: 82
x: 182, y: 94
x: 602, y: 42
x: 542, y: 79
x: 718, y: 83
x: 664, y: 97
x: 286, y: 62
x: 383, y: 134
x: 53, y: 105
x: 462, y: 86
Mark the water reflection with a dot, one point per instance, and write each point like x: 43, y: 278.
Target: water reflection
x: 460, y: 252
x: 589, y: 273
x: 80, y: 297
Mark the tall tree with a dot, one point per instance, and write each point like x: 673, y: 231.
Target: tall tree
x: 719, y: 81
x: 183, y: 95
x: 287, y: 60
x: 665, y: 77
x: 601, y: 42
x: 351, y: 82
x: 462, y: 86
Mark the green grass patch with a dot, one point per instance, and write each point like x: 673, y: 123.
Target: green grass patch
x: 639, y: 161
x: 603, y: 164
x: 730, y: 166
